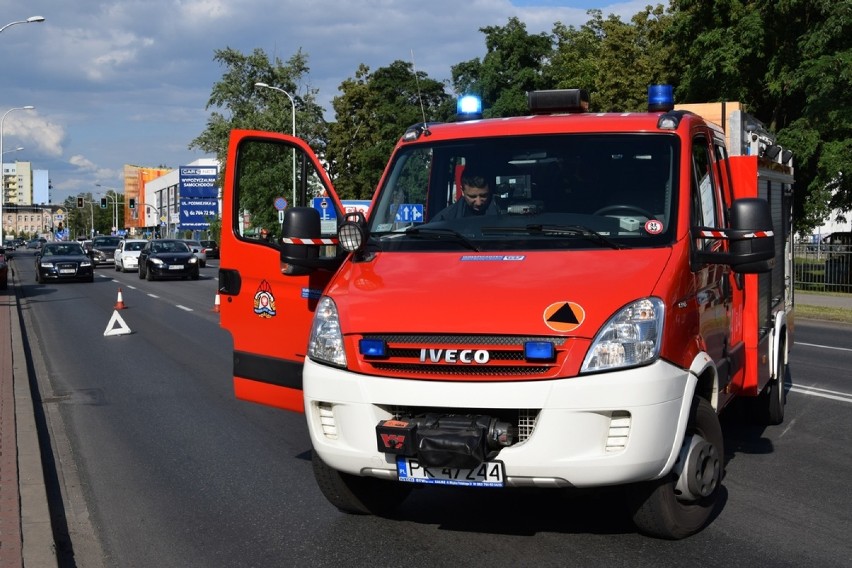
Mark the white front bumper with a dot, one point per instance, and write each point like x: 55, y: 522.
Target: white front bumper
x: 568, y: 446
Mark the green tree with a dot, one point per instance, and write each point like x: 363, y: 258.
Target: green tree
x: 789, y: 63
x: 513, y: 64
x: 240, y: 104
x: 373, y: 111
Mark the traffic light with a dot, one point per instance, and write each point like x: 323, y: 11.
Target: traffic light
x: 131, y: 203
x: 103, y: 202
x: 80, y: 202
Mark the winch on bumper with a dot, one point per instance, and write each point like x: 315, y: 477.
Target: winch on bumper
x: 449, y: 440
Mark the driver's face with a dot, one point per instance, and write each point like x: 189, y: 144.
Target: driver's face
x: 477, y: 197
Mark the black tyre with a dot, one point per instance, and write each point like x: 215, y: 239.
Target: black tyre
x: 768, y: 407
x: 149, y: 276
x: 358, y: 495
x: 662, y: 508
x: 141, y: 272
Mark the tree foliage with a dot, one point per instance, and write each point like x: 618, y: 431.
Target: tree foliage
x: 372, y: 112
x: 513, y: 64
x: 240, y: 104
x: 789, y: 62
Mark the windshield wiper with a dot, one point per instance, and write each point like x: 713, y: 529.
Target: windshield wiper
x: 559, y: 231
x: 439, y: 234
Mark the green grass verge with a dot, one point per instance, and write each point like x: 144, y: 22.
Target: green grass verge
x: 823, y: 313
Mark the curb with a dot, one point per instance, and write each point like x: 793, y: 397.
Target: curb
x: 38, y: 547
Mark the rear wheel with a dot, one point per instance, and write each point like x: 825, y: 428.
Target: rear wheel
x: 358, y: 495
x: 681, y: 503
x: 768, y: 407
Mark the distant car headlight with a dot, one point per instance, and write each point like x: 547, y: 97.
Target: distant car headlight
x: 193, y: 260
x: 326, y: 341
x: 86, y: 263
x: 631, y: 337
x: 44, y: 264
x: 156, y: 261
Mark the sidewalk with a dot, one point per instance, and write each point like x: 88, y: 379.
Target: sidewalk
x: 26, y: 536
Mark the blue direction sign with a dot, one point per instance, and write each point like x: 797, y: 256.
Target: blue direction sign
x: 409, y: 213
x: 325, y: 206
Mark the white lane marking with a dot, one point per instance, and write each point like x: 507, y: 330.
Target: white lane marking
x: 823, y: 346
x: 153, y: 296
x: 823, y: 393
x: 184, y: 308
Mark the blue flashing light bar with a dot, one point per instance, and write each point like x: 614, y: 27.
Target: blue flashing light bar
x: 660, y: 98
x: 469, y: 107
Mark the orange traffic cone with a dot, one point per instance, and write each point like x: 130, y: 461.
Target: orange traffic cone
x: 216, y: 303
x: 119, y: 303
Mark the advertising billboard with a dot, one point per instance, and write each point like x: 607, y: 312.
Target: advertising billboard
x: 199, y: 194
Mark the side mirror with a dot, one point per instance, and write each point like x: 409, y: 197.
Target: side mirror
x: 751, y: 238
x: 753, y: 244
x: 301, y: 241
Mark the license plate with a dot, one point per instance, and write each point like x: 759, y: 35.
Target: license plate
x: 67, y: 271
x: 175, y: 267
x: 486, y: 474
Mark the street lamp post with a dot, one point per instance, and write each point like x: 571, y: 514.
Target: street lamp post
x: 293, y: 113
x: 30, y: 20
x: 2, y: 170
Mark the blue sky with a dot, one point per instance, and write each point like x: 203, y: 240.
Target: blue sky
x: 126, y: 81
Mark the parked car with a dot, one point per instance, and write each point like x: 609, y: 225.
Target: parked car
x: 64, y: 260
x: 211, y: 248
x: 103, y: 249
x: 127, y: 254
x: 198, y: 250
x: 4, y: 271
x: 168, y: 258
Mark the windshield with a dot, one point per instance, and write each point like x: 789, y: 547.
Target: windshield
x: 530, y: 192
x: 107, y: 242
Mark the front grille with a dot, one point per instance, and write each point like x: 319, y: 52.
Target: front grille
x: 506, y: 360
x: 66, y: 265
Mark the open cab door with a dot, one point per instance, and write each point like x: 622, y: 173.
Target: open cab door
x: 266, y: 304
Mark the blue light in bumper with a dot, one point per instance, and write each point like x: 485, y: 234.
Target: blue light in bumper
x: 373, y: 348
x: 539, y: 351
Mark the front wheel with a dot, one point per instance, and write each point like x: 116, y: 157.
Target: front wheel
x: 358, y: 495
x: 681, y: 503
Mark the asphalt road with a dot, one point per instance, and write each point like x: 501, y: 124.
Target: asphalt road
x: 156, y: 464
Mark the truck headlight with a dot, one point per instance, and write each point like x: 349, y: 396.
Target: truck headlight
x: 631, y: 337
x: 326, y: 341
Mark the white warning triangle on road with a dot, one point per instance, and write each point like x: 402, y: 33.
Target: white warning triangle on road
x: 116, y: 325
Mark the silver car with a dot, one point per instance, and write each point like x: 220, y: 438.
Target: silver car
x: 127, y: 254
x: 198, y: 250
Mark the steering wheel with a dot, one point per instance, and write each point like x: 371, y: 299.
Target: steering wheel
x: 619, y: 207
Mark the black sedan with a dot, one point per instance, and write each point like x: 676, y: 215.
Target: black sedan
x: 64, y: 260
x: 167, y: 258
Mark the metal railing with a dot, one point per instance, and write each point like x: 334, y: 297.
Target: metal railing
x: 823, y: 267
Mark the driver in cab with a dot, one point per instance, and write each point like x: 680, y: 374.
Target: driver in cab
x: 476, y: 198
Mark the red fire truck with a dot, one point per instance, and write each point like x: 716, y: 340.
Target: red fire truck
x: 630, y: 277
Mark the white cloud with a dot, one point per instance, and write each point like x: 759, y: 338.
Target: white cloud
x: 126, y: 81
